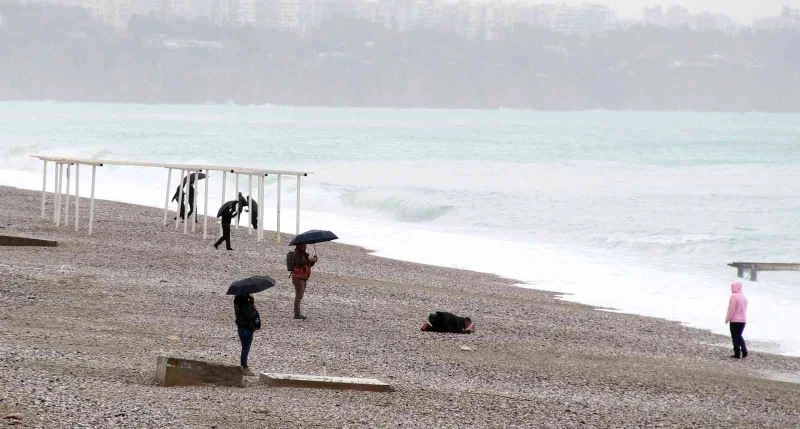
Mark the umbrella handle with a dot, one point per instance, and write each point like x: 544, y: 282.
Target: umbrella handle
x: 315, y: 249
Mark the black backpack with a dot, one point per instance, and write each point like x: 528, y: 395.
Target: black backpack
x: 290, y: 260
x: 257, y: 321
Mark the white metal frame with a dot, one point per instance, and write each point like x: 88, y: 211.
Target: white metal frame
x: 59, y: 196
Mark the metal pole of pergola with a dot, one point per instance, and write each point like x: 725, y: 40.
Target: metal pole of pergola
x: 205, y: 205
x: 278, y: 212
x: 250, y: 203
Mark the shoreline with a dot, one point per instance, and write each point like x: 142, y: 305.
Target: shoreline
x: 764, y: 345
x: 231, y: 102
x: 117, y: 299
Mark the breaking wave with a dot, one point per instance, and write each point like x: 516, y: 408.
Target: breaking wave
x: 399, y: 207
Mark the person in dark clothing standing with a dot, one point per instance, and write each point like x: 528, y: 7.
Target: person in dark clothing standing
x: 226, y: 214
x: 253, y: 204
x: 183, y: 213
x: 247, y: 321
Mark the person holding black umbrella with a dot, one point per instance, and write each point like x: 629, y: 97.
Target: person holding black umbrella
x: 247, y: 318
x: 247, y: 321
x: 183, y: 213
x: 190, y: 179
x: 300, y: 275
x: 299, y: 263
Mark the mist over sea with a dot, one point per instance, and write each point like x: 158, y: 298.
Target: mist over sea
x: 634, y: 211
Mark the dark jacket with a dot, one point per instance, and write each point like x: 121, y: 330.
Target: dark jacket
x: 442, y: 321
x: 246, y: 312
x: 302, y: 259
x: 190, y: 191
x: 226, y: 217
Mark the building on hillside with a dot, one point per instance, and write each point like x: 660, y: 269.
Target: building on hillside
x: 287, y: 14
x: 245, y: 13
x: 654, y: 16
x: 713, y: 22
x: 788, y: 19
x: 676, y: 16
x: 586, y: 20
x: 220, y: 12
x: 115, y: 13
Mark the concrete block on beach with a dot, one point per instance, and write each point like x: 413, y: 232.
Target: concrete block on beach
x: 324, y: 382
x: 172, y: 371
x: 10, y: 240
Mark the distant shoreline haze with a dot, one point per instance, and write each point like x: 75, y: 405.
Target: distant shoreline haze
x: 52, y: 53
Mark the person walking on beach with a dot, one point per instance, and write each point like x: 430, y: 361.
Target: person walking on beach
x: 736, y: 319
x: 226, y: 214
x: 247, y: 321
x: 300, y: 275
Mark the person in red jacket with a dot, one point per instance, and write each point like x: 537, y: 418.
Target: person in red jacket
x: 300, y: 275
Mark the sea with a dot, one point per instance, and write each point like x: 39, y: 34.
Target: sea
x: 634, y: 212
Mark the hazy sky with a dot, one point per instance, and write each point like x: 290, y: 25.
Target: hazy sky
x: 741, y: 10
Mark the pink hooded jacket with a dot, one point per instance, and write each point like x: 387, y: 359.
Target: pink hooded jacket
x: 737, y: 307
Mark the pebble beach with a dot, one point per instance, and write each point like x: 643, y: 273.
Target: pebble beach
x: 82, y: 324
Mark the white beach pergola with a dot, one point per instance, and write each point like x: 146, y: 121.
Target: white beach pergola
x: 59, y: 164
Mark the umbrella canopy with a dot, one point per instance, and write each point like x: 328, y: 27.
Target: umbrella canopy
x: 313, y: 236
x: 250, y: 285
x: 194, y: 176
x: 229, y: 206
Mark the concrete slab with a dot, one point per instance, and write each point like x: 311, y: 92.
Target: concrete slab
x: 10, y: 240
x: 324, y: 382
x: 172, y: 371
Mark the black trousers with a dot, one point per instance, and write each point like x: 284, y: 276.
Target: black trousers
x: 246, y: 337
x: 183, y: 212
x: 226, y: 235
x: 739, y: 347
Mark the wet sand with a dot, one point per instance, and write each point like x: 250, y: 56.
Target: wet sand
x: 81, y: 326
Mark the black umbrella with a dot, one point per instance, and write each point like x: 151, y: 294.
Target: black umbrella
x: 250, y: 285
x: 313, y: 236
x: 194, y: 176
x: 229, y: 206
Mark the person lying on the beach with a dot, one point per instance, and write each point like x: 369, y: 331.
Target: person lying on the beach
x: 442, y: 321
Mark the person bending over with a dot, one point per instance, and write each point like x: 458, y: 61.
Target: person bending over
x: 442, y: 321
x: 226, y: 217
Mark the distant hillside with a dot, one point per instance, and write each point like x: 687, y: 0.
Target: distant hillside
x: 55, y: 53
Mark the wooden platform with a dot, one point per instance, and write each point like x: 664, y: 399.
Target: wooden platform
x: 324, y: 382
x: 10, y: 240
x: 754, y: 267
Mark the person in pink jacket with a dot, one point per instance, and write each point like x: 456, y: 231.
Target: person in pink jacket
x: 736, y: 318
